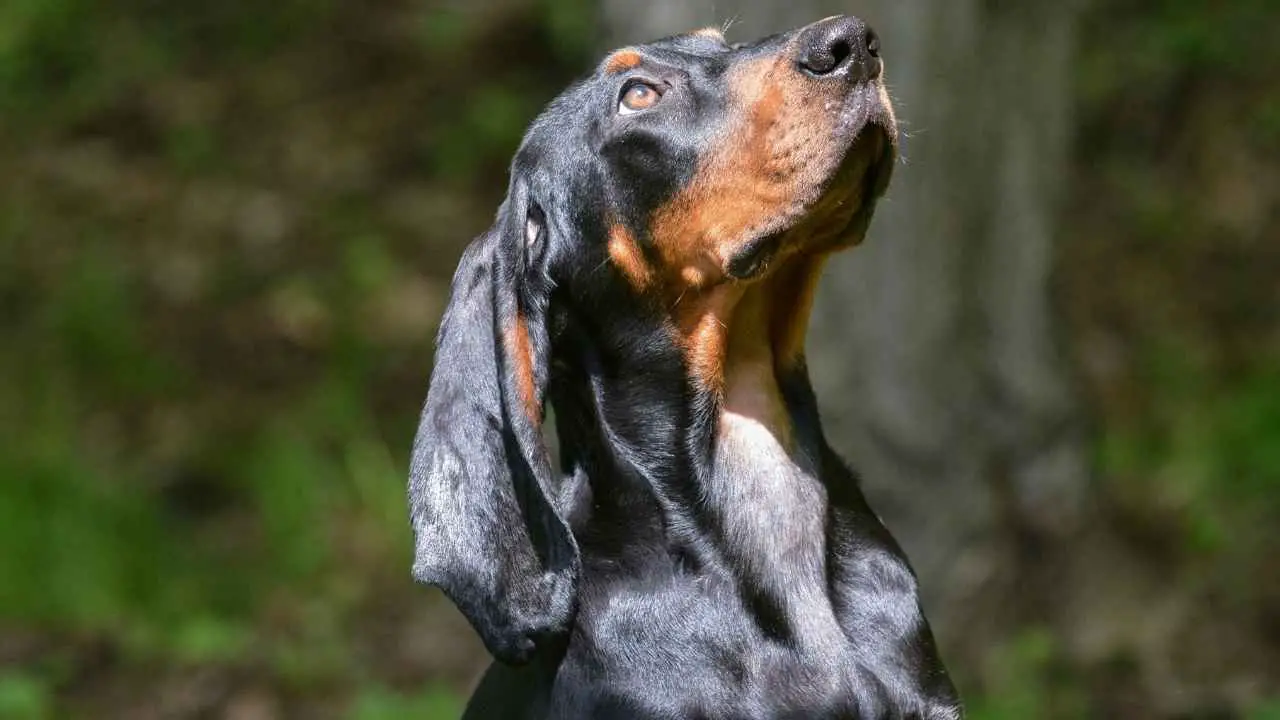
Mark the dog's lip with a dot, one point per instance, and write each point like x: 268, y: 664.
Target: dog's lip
x: 866, y: 117
x: 753, y: 258
x: 880, y: 169
x: 866, y: 114
x: 877, y: 173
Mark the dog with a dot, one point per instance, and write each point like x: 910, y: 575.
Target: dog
x: 701, y: 552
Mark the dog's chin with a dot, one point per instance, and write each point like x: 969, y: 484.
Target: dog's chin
x: 839, y: 216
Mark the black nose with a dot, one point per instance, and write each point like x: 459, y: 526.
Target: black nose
x: 840, y: 46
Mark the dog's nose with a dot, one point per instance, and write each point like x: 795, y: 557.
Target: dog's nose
x: 840, y: 46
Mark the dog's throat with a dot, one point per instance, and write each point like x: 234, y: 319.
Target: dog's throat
x: 764, y: 488
x: 751, y: 403
x: 740, y: 339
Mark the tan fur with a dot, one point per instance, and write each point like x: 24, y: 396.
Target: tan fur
x: 701, y: 321
x: 628, y: 258
x: 737, y: 338
x: 777, y: 167
x: 751, y: 390
x: 768, y: 166
x: 791, y: 291
x: 621, y: 61
x: 520, y: 351
x: 769, y: 173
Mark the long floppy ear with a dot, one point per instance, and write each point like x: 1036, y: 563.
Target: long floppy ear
x: 487, y: 532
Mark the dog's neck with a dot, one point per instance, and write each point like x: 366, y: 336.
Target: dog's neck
x: 764, y: 486
x: 746, y: 344
x: 729, y: 474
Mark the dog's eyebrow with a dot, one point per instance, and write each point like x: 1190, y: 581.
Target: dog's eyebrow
x: 622, y: 60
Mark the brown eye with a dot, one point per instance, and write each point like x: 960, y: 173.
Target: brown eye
x: 638, y: 96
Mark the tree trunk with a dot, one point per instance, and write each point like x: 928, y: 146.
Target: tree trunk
x: 932, y: 348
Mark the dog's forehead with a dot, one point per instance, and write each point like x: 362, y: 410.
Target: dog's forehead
x: 579, y: 117
x: 704, y: 51
x: 689, y: 50
x: 696, y: 43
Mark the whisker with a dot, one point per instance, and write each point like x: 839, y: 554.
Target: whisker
x: 677, y: 302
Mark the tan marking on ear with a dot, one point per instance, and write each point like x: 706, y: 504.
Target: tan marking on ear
x: 628, y: 258
x: 520, y: 350
x: 621, y: 61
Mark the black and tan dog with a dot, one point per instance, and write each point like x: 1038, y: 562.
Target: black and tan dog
x: 704, y: 553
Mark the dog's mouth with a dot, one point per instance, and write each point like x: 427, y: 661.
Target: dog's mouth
x: 838, y: 218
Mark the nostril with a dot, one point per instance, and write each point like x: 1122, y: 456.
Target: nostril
x: 826, y: 58
x: 842, y: 46
x: 840, y: 51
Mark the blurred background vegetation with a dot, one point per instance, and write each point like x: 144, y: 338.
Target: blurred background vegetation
x: 226, y: 231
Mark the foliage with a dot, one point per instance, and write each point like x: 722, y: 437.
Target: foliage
x: 430, y: 704
x: 1178, y: 242
x: 24, y: 697
x: 1028, y: 674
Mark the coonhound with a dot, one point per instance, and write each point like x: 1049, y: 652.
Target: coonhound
x: 702, y: 552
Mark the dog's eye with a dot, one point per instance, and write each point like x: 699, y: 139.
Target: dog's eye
x: 638, y: 96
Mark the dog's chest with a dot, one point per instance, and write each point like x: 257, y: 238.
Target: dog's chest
x: 772, y: 510
x: 692, y: 638
x: 767, y: 495
x: 770, y: 506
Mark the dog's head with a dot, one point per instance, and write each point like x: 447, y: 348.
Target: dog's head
x: 685, y: 167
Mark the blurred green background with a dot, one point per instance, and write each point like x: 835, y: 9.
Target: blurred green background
x: 226, y: 231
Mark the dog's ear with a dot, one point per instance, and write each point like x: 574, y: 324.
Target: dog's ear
x: 480, y: 494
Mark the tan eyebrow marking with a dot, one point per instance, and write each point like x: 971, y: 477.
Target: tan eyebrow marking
x: 621, y: 61
x: 711, y: 32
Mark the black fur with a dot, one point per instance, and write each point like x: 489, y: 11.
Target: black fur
x: 613, y: 589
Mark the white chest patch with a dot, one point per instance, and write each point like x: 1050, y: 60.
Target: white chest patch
x: 772, y: 508
x: 773, y: 513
